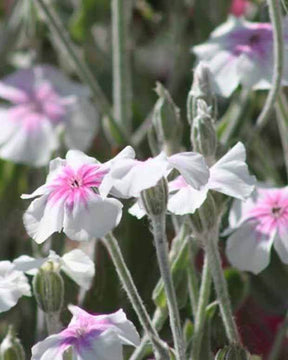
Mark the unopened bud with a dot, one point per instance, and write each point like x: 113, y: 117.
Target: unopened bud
x: 48, y: 287
x: 232, y: 352
x: 203, y: 133
x: 155, y: 198
x: 206, y: 217
x: 11, y: 347
x: 166, y: 120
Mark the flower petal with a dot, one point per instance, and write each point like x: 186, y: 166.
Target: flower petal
x: 281, y: 245
x: 136, y: 210
x: 187, y: 200
x: 248, y: 249
x: 28, y: 264
x: 50, y: 348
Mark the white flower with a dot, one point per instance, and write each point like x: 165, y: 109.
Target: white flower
x: 98, y: 337
x: 75, y: 264
x: 241, y: 52
x: 13, y: 285
x: 256, y: 225
x: 43, y: 104
x: 70, y: 200
x: 229, y: 175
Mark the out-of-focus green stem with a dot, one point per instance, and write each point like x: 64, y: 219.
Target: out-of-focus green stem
x: 280, y: 336
x: 282, y: 121
x: 276, y: 20
x: 121, y: 14
x: 160, y: 348
x: 192, y: 279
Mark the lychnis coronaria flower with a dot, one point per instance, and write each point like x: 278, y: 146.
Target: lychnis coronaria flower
x: 241, y: 52
x: 42, y: 103
x: 97, y: 337
x: 70, y: 200
x: 13, y: 285
x: 256, y: 225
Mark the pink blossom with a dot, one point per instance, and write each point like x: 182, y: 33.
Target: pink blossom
x: 70, y: 200
x: 241, y: 52
x: 239, y: 7
x: 257, y: 224
x: 42, y: 104
x: 90, y: 337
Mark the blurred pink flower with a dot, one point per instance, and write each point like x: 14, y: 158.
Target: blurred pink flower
x: 258, y: 223
x: 241, y: 52
x: 90, y: 337
x: 70, y: 200
x: 238, y: 7
x: 43, y: 103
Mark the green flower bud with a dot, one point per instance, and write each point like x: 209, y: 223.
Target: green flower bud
x: 48, y: 287
x: 167, y: 122
x: 11, y: 347
x: 203, y: 134
x: 232, y: 352
x: 155, y: 198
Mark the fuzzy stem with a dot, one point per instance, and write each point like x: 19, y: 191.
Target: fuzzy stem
x: 213, y: 256
x: 276, y: 20
x: 203, y: 301
x: 161, y: 243
x: 111, y: 244
x: 282, y: 121
x: 278, y: 341
x: 192, y: 279
x: 52, y: 322
x: 121, y: 10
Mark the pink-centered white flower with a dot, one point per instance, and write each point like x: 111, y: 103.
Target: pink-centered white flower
x: 91, y: 337
x: 229, y: 176
x: 42, y: 104
x: 128, y: 177
x: 70, y: 200
x: 75, y: 264
x: 13, y: 285
x: 241, y: 52
x: 257, y: 224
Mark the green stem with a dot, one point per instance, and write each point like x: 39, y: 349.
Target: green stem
x: 53, y: 322
x: 203, y: 301
x: 276, y: 20
x: 278, y: 342
x: 282, y: 121
x: 121, y: 13
x: 111, y: 244
x: 161, y: 243
x: 213, y: 256
x: 192, y: 279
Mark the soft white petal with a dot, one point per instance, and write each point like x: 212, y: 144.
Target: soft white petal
x: 11, y: 93
x: 49, y: 349
x: 8, y: 127
x: 43, y: 218
x: 230, y: 174
x: 42, y: 190
x: 281, y: 245
x: 137, y: 210
x: 28, y: 264
x: 187, y: 200
x: 192, y: 167
x: 79, y: 267
x: 82, y: 125
x: 92, y: 220
x: 249, y: 250
x: 76, y: 158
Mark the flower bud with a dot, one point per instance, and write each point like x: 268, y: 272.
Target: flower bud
x: 11, y: 347
x: 167, y: 122
x: 206, y: 217
x: 48, y: 287
x: 232, y: 352
x: 203, y: 133
x: 155, y: 198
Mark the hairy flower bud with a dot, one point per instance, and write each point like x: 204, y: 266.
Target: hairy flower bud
x: 155, y: 198
x: 11, y: 347
x: 167, y: 122
x: 203, y: 133
x: 232, y: 352
x: 48, y: 287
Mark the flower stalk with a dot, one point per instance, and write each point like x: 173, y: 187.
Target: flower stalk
x: 160, y: 348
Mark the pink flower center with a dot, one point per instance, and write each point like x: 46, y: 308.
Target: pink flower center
x: 271, y: 211
x: 76, y: 185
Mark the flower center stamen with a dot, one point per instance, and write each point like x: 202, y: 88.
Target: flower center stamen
x: 276, y: 211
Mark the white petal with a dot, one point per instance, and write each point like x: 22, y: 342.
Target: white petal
x: 79, y: 267
x: 281, y: 245
x: 43, y: 218
x: 48, y: 349
x: 76, y: 158
x: 192, y: 167
x: 42, y: 190
x: 187, y: 200
x: 137, y: 210
x: 11, y: 93
x: 28, y: 264
x: 248, y: 249
x: 230, y: 174
x: 92, y: 220
x: 8, y: 127
x: 82, y: 125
